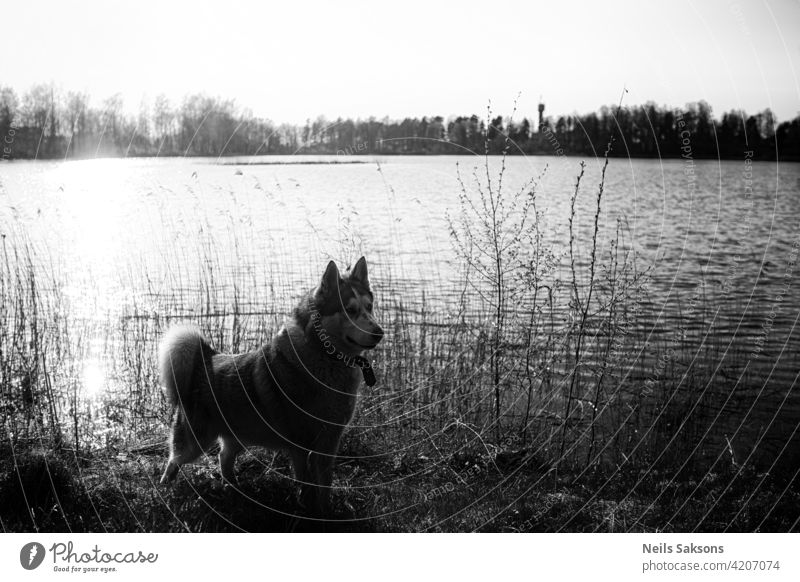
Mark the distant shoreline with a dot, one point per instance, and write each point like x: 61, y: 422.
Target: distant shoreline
x: 351, y: 159
x: 40, y: 126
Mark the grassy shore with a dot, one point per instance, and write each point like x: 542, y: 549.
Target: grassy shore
x: 498, y: 493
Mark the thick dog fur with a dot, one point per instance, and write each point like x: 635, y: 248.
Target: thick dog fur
x: 297, y: 393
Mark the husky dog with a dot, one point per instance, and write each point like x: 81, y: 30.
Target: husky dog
x: 296, y: 393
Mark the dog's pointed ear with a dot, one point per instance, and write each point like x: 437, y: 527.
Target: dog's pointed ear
x: 359, y: 272
x: 330, y: 280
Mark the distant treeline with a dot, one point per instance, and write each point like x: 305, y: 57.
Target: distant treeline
x: 45, y: 123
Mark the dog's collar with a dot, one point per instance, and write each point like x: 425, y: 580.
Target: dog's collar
x: 350, y: 361
x: 355, y: 362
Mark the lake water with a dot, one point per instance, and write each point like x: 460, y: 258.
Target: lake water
x: 724, y: 233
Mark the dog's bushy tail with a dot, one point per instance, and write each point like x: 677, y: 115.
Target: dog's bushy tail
x: 179, y: 354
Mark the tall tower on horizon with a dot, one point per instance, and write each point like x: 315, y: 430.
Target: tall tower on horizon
x: 541, y: 113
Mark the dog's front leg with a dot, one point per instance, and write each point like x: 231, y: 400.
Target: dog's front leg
x: 301, y: 462
x: 227, y: 457
x: 321, y: 469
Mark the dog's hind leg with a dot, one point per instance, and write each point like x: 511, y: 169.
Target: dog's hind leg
x: 184, y: 447
x: 170, y: 471
x: 227, y: 457
x: 175, y: 462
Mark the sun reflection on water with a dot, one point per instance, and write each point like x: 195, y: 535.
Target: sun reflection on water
x: 94, y: 378
x: 93, y: 198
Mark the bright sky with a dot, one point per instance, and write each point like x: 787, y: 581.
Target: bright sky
x: 295, y: 60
